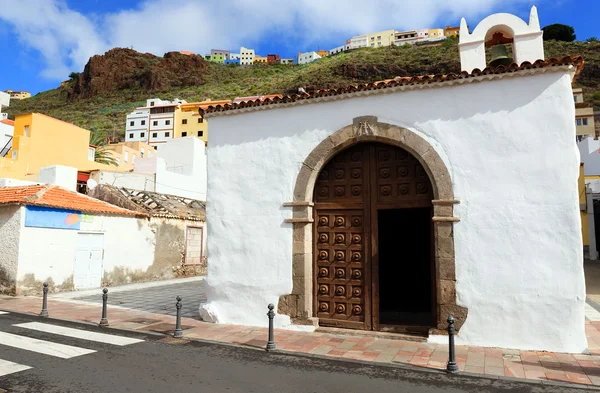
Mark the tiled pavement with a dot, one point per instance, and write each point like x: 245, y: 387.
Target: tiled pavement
x: 546, y: 366
x: 158, y: 300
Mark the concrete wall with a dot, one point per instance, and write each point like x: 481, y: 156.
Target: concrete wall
x: 47, y: 253
x: 517, y: 247
x: 136, y: 181
x: 10, y: 230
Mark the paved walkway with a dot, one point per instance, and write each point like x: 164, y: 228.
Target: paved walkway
x: 541, y: 366
x: 156, y: 299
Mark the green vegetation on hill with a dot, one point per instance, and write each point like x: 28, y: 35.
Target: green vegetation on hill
x: 106, y: 111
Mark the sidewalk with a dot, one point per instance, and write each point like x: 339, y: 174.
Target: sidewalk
x: 540, y: 366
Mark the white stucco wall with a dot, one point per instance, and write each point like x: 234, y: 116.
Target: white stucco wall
x: 10, y: 230
x: 518, y: 244
x: 48, y: 252
x: 136, y: 181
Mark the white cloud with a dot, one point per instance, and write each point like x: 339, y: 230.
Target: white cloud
x: 66, y: 39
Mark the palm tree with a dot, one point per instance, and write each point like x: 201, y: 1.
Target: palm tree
x: 103, y: 155
x: 592, y: 39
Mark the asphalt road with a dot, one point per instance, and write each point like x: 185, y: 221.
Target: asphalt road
x: 168, y: 365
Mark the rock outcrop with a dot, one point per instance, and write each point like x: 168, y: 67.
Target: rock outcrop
x: 121, y: 68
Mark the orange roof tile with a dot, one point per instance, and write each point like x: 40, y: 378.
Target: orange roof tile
x: 255, y: 101
x: 8, y: 122
x: 53, y: 196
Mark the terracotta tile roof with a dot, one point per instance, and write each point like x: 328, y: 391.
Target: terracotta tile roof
x: 53, y: 196
x: 8, y: 122
x: 576, y: 61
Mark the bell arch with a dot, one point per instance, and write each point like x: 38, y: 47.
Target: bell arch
x: 299, y: 304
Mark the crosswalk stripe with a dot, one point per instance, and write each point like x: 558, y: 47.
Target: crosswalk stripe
x: 7, y: 367
x: 42, y: 346
x: 78, y: 333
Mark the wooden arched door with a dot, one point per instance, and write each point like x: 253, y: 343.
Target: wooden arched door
x: 373, y: 214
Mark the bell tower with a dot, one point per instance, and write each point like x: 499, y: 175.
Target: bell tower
x: 497, y: 31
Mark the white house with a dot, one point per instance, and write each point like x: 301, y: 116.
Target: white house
x: 392, y: 205
x: 307, y: 57
x: 338, y: 49
x: 359, y: 41
x: 48, y: 233
x: 177, y: 168
x: 246, y: 56
x: 154, y: 123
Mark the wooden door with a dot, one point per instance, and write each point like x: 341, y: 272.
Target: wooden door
x: 348, y: 193
x: 342, y: 260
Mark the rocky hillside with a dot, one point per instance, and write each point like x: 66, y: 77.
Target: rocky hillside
x: 112, y: 84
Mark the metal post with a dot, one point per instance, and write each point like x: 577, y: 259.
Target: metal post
x: 451, y: 367
x: 44, y: 312
x: 178, y: 331
x: 271, y: 315
x: 103, y: 320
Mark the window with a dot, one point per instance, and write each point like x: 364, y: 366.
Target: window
x: 379, y: 44
x: 132, y: 123
x: 200, y: 120
x: 585, y: 123
x: 155, y: 123
x: 143, y: 134
x: 152, y: 103
x: 378, y: 37
x: 131, y: 136
x: 184, y: 121
x: 372, y: 44
x: 575, y: 98
x: 578, y: 122
x: 154, y: 135
x: 372, y: 38
x: 184, y: 133
x: 155, y: 147
x: 143, y: 122
x: 167, y: 122
x: 91, y: 153
x: 167, y: 134
x: 200, y: 133
x: 126, y: 156
x: 14, y: 154
x: 133, y: 159
x: 26, y: 130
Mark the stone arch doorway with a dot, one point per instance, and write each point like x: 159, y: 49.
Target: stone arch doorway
x: 373, y: 266
x: 299, y: 304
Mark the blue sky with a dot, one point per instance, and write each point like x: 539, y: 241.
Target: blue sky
x: 44, y: 40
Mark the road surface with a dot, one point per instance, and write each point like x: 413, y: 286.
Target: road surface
x: 42, y: 355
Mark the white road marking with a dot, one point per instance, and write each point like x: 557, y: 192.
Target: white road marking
x: 591, y: 313
x: 7, y: 367
x: 42, y: 346
x: 78, y: 333
x: 3, y: 312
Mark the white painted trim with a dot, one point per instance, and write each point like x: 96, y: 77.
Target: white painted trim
x: 42, y: 346
x: 78, y: 333
x: 7, y: 367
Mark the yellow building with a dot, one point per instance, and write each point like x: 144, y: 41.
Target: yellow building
x: 188, y: 121
x: 322, y: 53
x: 584, y: 115
x: 435, y: 34
x: 125, y: 153
x: 40, y: 141
x: 381, y: 38
x: 583, y: 207
x: 260, y: 59
x: 18, y: 95
x: 450, y: 31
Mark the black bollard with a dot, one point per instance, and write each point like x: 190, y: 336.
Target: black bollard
x: 451, y: 367
x: 178, y: 331
x: 103, y: 320
x: 271, y: 342
x: 44, y: 312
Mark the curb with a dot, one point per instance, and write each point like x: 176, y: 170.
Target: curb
x: 407, y: 367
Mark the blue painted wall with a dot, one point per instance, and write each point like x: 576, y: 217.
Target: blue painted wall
x: 47, y: 217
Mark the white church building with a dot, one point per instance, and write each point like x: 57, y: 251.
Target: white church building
x: 389, y: 206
